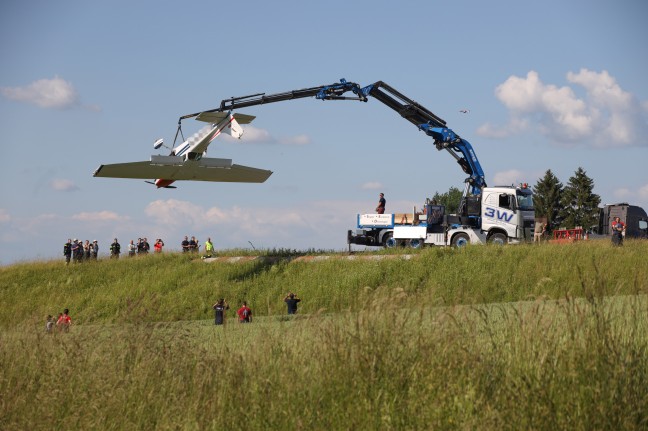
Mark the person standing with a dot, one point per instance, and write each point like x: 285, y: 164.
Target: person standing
x: 86, y: 250
x: 94, y: 250
x: 115, y: 249
x: 244, y: 313
x: 49, y: 324
x: 145, y: 246
x: 157, y: 247
x: 539, y: 231
x: 618, y: 229
x: 185, y: 244
x: 193, y: 245
x: 67, y: 251
x: 291, y: 301
x: 380, y: 209
x: 132, y: 248
x: 64, y: 321
x: 209, y: 248
x: 219, y: 311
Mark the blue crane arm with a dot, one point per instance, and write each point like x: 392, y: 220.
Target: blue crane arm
x: 410, y: 110
x: 435, y: 127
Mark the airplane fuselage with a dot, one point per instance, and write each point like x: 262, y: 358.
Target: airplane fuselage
x: 194, y: 147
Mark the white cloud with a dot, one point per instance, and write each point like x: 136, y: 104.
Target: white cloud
x: 607, y: 116
x: 372, y: 186
x: 623, y: 194
x: 99, y: 216
x: 45, y: 93
x: 63, y: 185
x: 512, y: 176
x: 295, y: 140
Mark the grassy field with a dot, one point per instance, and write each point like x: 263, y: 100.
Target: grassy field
x: 527, y: 337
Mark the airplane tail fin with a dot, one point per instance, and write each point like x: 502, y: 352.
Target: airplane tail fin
x: 235, y: 128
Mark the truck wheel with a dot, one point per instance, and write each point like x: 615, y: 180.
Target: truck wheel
x: 415, y: 243
x: 389, y: 241
x: 497, y: 239
x: 460, y: 240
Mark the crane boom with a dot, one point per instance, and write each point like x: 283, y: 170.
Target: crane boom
x: 444, y: 138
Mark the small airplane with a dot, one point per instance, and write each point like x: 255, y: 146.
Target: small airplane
x: 187, y: 161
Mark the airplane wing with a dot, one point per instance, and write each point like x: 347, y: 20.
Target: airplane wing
x: 206, y: 169
x: 215, y: 117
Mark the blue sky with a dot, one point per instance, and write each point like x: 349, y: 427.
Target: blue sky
x: 557, y: 85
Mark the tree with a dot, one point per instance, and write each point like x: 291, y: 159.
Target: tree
x: 451, y: 199
x: 547, y: 195
x: 580, y: 205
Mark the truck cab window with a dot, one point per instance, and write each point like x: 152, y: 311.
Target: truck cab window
x: 505, y: 201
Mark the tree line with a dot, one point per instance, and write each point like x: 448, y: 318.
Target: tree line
x: 561, y: 206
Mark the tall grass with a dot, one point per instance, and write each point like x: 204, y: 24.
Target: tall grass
x: 567, y: 364
x: 544, y: 337
x: 177, y: 287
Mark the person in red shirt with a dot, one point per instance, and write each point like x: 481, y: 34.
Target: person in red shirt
x: 244, y: 313
x: 64, y: 321
x: 157, y: 247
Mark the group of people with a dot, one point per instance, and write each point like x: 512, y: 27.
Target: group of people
x: 190, y: 245
x: 221, y: 306
x: 142, y: 247
x: 244, y: 313
x: 78, y: 251
x: 61, y: 324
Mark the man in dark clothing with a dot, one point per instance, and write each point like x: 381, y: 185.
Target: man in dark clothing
x: 115, y: 249
x: 145, y: 246
x: 185, y: 244
x: 291, y: 301
x: 77, y: 251
x: 380, y: 209
x: 94, y: 249
x: 67, y: 251
x: 219, y: 311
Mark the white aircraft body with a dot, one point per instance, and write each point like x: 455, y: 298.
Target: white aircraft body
x: 187, y: 161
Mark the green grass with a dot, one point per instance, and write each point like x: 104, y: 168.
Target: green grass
x: 544, y: 337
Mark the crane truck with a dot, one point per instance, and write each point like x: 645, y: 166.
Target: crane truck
x: 502, y: 214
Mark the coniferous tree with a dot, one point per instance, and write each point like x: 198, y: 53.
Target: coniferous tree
x: 547, y: 195
x: 451, y: 199
x: 580, y: 204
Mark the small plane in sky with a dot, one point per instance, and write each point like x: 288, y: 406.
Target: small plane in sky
x: 187, y: 161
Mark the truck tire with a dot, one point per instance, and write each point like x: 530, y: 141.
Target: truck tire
x: 497, y: 239
x: 460, y: 240
x: 415, y: 243
x: 389, y: 241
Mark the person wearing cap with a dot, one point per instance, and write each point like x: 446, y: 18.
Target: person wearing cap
x: 94, y: 249
x: 77, y: 250
x: 115, y: 249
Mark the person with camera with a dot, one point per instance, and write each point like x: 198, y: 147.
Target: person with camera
x: 291, y: 301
